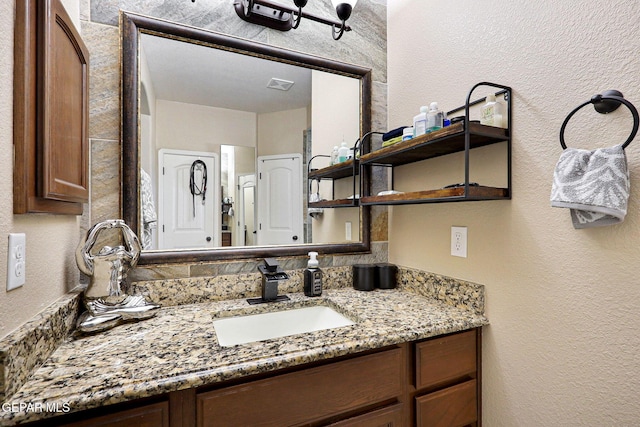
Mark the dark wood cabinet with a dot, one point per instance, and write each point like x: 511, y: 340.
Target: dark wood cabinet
x: 51, y: 109
x: 456, y: 405
x: 154, y: 415
x: 392, y: 416
x: 305, y: 396
x: 445, y: 359
x: 447, y: 382
x: 430, y: 383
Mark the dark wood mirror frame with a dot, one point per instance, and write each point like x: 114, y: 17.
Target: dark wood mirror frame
x: 130, y: 27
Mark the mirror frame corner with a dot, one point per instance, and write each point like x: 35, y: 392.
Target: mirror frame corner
x: 131, y: 25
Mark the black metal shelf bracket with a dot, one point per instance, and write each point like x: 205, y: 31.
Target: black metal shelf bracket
x: 506, y: 92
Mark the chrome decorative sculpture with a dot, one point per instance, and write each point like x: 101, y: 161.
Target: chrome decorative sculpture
x: 105, y: 298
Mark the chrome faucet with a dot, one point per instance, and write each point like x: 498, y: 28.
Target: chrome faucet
x: 272, y: 275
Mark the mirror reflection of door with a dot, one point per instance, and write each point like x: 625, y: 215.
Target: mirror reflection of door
x: 187, y: 194
x: 246, y: 210
x: 280, y: 207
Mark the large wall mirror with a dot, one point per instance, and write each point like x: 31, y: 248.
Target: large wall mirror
x: 217, y: 133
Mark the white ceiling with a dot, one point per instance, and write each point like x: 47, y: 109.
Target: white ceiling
x: 190, y: 73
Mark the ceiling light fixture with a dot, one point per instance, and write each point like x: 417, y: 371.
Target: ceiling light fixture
x: 283, y: 18
x: 296, y: 20
x: 343, y: 9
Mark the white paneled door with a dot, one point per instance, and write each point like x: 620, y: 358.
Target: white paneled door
x: 188, y: 217
x: 280, y: 207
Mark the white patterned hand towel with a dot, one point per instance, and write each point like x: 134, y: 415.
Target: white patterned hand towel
x: 593, y: 184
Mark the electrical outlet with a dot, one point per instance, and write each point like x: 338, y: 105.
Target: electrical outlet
x: 347, y: 230
x: 16, y: 260
x: 459, y: 241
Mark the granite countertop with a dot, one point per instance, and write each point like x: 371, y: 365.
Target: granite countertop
x: 178, y: 348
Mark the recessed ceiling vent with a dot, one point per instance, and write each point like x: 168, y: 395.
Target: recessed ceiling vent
x: 279, y: 84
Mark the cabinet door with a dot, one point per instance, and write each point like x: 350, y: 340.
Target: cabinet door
x: 154, y: 415
x: 441, y: 360
x: 304, y: 396
x: 63, y: 106
x: 51, y: 91
x: 386, y: 417
x: 455, y: 406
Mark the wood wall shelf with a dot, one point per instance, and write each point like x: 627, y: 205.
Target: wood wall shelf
x: 456, y: 194
x: 348, y: 169
x: 337, y: 171
x: 338, y: 203
x: 445, y: 141
x: 460, y: 137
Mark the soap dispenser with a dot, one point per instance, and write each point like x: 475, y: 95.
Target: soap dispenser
x: 313, y: 277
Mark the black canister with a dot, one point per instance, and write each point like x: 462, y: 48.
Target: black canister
x: 364, y: 277
x: 386, y: 276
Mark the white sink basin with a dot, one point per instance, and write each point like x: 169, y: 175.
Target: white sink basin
x: 259, y: 327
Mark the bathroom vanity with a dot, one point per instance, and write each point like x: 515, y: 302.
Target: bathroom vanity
x: 407, y: 360
x: 427, y: 383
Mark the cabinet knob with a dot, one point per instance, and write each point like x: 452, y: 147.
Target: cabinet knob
x: 208, y: 238
x: 295, y: 238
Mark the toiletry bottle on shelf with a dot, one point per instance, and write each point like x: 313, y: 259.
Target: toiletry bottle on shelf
x: 313, y: 277
x: 334, y: 155
x: 434, y: 118
x: 492, y: 113
x: 343, y: 152
x: 420, y: 122
x: 445, y: 120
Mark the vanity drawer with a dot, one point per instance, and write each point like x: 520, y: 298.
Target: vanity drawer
x: 453, y: 406
x: 308, y: 395
x: 385, y: 417
x: 154, y: 415
x: 441, y: 360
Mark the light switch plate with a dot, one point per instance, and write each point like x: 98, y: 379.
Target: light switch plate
x: 347, y: 230
x: 16, y: 260
x: 459, y: 241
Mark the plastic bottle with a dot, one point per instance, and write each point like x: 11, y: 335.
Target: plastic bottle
x: 434, y: 118
x: 492, y: 113
x: 334, y: 155
x: 343, y: 152
x: 420, y: 122
x: 445, y: 120
x: 313, y: 277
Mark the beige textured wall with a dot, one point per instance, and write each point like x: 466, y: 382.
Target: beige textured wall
x: 203, y: 128
x: 51, y: 239
x: 334, y: 120
x: 562, y: 348
x: 281, y: 132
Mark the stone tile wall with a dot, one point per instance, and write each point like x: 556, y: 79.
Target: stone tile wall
x: 366, y: 45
